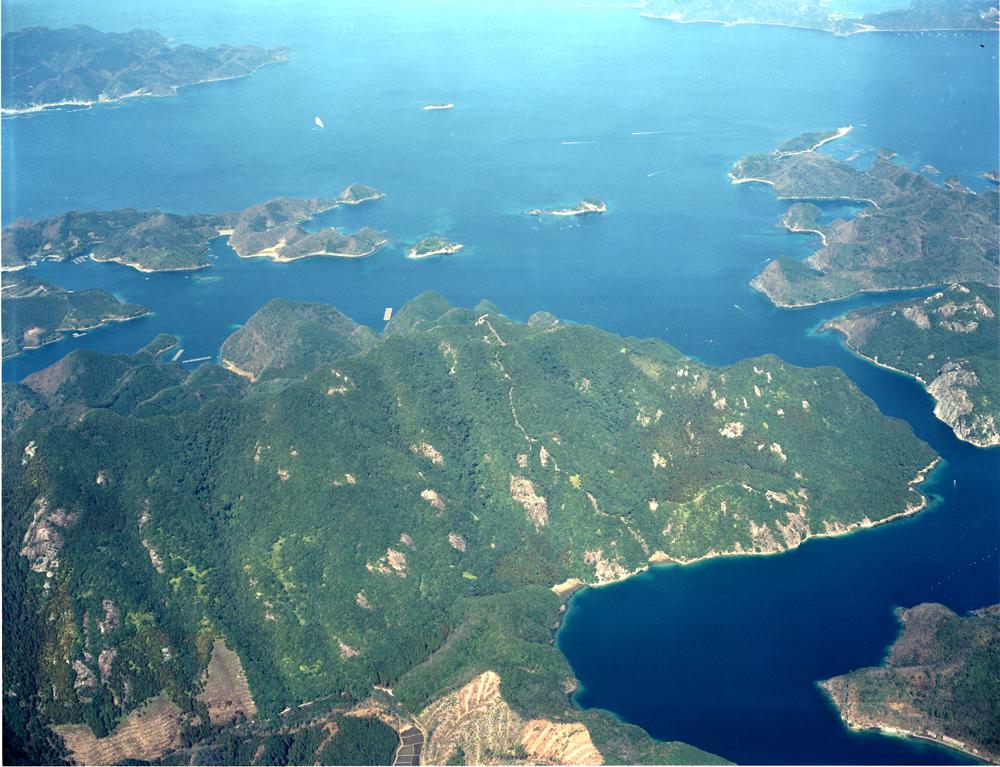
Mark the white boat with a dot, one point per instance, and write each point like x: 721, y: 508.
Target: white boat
x: 319, y: 122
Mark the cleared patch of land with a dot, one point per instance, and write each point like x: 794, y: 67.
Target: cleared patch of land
x: 226, y: 692
x: 476, y: 722
x: 145, y: 734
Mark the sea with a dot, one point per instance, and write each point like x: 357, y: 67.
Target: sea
x: 555, y: 102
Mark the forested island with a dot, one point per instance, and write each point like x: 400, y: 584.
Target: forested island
x: 352, y: 515
x: 356, y: 194
x: 947, y: 341
x: 917, y: 16
x: 913, y: 233
x: 154, y: 241
x: 274, y: 230
x: 36, y: 313
x: 939, y: 682
x: 434, y: 246
x: 587, y: 207
x: 81, y: 66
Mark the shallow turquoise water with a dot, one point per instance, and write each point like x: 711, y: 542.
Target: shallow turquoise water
x: 723, y: 654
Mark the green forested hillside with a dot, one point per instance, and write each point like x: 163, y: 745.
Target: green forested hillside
x: 291, y: 338
x: 948, y: 341
x: 397, y: 517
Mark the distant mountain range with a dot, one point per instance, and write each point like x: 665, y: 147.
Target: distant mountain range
x: 45, y: 68
x: 918, y: 16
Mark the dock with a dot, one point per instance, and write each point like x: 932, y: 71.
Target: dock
x: 387, y: 314
x: 195, y: 359
x: 177, y: 355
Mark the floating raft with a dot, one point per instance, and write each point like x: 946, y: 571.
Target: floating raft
x: 387, y: 314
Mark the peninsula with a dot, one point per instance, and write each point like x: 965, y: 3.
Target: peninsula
x: 154, y: 241
x: 36, y: 313
x: 938, y: 683
x: 917, y: 16
x: 149, y: 241
x: 913, y: 233
x: 434, y: 246
x: 587, y: 207
x: 351, y: 523
x: 80, y: 66
x: 810, y: 142
x: 290, y: 338
x: 947, y: 341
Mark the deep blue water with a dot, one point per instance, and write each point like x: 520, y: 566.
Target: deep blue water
x: 723, y: 654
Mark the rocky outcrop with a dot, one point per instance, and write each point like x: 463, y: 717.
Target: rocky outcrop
x: 522, y: 490
x: 392, y: 561
x: 955, y: 407
x: 43, y: 539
